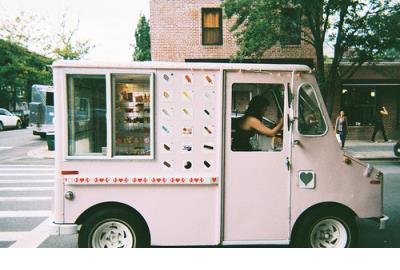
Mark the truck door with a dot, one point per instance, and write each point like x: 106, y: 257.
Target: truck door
x: 257, y: 178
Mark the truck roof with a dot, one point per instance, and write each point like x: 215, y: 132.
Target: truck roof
x: 179, y: 65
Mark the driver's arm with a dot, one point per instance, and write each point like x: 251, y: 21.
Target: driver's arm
x: 252, y: 122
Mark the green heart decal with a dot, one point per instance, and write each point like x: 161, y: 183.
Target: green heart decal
x: 306, y: 178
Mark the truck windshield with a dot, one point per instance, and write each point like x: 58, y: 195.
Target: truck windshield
x: 310, y: 119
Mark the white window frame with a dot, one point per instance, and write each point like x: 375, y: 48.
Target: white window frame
x: 109, y: 112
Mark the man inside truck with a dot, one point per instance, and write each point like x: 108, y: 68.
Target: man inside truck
x: 251, y: 123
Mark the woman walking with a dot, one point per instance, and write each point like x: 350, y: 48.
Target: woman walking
x: 341, y: 127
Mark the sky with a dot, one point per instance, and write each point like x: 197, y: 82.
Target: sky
x: 109, y: 25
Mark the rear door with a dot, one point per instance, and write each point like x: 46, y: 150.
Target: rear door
x: 256, y: 202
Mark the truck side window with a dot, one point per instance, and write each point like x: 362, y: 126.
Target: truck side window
x: 87, y: 134
x: 132, y: 115
x: 310, y: 118
x: 244, y: 97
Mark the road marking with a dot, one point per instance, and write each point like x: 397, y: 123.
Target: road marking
x: 26, y: 169
x: 26, y: 165
x: 12, y: 236
x: 6, y: 147
x: 15, y: 214
x: 24, y: 199
x: 35, y: 237
x: 26, y: 188
x: 25, y: 181
x: 26, y: 174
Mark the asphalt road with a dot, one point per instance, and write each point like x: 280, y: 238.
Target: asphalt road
x: 26, y: 191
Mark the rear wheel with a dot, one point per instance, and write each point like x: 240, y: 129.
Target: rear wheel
x: 321, y: 229
x: 113, y: 228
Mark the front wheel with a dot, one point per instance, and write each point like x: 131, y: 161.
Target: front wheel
x: 322, y: 230
x: 19, y: 125
x: 113, y: 228
x: 1, y: 126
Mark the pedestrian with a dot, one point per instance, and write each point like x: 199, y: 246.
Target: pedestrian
x: 380, y: 112
x: 341, y: 127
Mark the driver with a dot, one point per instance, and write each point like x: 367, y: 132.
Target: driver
x: 251, y: 123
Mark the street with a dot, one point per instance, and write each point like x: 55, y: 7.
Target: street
x: 26, y: 191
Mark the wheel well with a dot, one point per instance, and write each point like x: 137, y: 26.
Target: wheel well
x: 110, y: 205
x: 327, y: 206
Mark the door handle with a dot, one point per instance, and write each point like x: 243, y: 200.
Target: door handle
x: 287, y: 162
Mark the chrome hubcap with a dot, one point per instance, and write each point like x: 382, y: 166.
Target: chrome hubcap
x: 113, y: 234
x: 329, y: 233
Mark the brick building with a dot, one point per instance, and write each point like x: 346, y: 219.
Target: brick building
x: 195, y: 31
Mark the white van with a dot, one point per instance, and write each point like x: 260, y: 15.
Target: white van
x: 145, y: 156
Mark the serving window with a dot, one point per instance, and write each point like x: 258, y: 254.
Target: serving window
x: 87, y: 132
x: 127, y: 133
x: 132, y: 115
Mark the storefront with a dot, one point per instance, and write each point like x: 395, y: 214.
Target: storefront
x: 370, y: 88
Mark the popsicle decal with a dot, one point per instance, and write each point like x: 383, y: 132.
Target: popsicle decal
x: 188, y: 165
x: 208, y: 80
x: 186, y: 112
x: 166, y: 129
x: 187, y: 147
x: 188, y: 78
x: 167, y: 78
x: 187, y: 130
x: 167, y: 147
x: 167, y: 95
x: 187, y: 95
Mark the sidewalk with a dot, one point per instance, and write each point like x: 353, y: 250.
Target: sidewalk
x: 41, y: 153
x: 366, y: 150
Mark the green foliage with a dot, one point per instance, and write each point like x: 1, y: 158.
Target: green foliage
x: 360, y: 30
x: 142, y: 39
x: 20, y: 69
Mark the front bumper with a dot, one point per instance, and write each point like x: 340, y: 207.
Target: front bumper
x: 63, y: 229
x: 382, y: 221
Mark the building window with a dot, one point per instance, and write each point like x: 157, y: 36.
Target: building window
x: 359, y: 104
x: 211, y: 26
x: 290, y: 27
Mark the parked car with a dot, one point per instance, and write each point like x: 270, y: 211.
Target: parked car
x: 22, y: 111
x: 9, y: 120
x: 396, y: 149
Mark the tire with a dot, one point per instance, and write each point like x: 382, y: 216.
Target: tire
x: 42, y: 136
x: 1, y: 126
x: 335, y: 228
x: 113, y: 228
x: 19, y: 125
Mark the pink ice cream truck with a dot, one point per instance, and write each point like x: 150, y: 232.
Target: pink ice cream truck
x: 181, y: 154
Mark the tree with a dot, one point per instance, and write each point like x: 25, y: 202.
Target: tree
x: 19, y: 70
x: 34, y: 33
x: 27, y: 30
x: 67, y: 47
x: 142, y: 40
x: 359, y: 30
